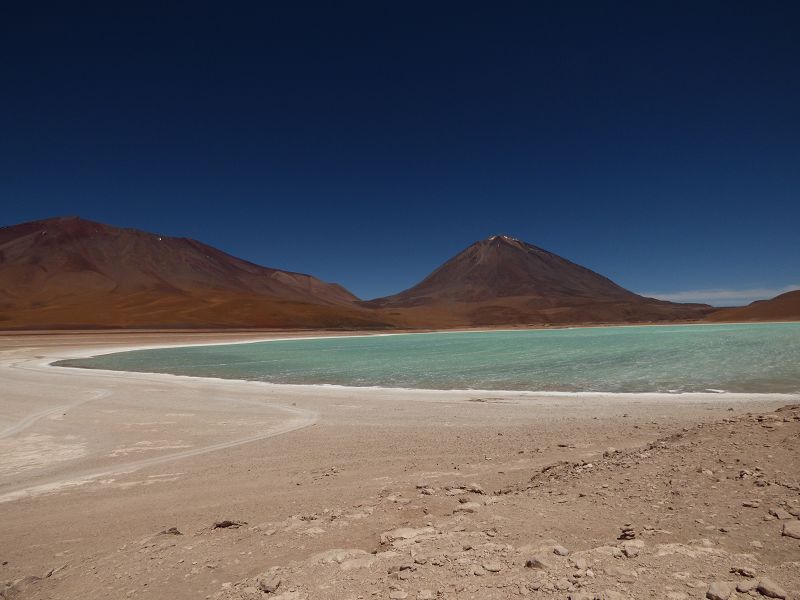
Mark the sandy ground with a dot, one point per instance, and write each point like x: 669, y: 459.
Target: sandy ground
x: 94, y: 465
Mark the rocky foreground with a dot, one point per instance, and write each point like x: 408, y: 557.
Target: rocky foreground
x: 708, y: 512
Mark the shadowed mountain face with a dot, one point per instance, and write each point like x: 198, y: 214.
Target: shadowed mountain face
x: 502, y: 280
x: 67, y: 271
x: 785, y: 307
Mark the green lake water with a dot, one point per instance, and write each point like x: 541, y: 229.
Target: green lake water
x: 686, y: 358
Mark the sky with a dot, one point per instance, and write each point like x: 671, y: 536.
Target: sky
x: 657, y: 143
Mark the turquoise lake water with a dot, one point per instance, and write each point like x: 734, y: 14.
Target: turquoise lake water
x: 696, y: 358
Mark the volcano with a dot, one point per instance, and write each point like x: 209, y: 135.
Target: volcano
x: 70, y: 272
x: 503, y: 280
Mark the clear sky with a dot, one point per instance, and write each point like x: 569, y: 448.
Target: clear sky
x: 655, y: 142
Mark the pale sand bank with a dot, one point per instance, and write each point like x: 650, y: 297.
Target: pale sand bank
x: 94, y: 461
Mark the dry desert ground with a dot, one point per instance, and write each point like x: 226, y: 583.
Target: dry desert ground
x: 128, y: 485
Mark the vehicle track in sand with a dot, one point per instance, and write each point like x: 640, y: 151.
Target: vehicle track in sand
x: 299, y: 418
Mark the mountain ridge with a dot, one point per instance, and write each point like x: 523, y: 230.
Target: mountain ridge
x: 68, y: 271
x: 783, y: 307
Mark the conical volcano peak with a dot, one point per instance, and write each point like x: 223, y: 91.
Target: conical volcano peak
x: 501, y: 266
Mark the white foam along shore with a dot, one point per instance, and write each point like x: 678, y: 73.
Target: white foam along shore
x: 429, y: 393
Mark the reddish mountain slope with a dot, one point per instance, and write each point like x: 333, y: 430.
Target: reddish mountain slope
x: 501, y: 280
x: 67, y: 272
x: 785, y: 307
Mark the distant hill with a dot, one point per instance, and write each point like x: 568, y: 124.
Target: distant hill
x: 785, y: 307
x: 70, y: 272
x: 502, y: 280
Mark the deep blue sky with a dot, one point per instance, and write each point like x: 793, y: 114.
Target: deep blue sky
x: 655, y: 142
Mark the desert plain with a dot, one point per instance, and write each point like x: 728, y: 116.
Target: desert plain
x: 131, y: 485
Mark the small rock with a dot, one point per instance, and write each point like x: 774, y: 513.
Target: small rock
x: 538, y: 562
x: 405, y: 533
x: 747, y: 586
x: 770, y: 589
x: 268, y: 583
x: 720, y: 590
x: 227, y: 524
x: 632, y: 548
x: 560, y: 551
x: 398, y: 595
x: 171, y: 531
x: 563, y: 584
x: 627, y: 534
x: 468, y: 507
x: 791, y: 529
x: 579, y: 563
x: 492, y: 567
x: 743, y: 571
x: 781, y: 514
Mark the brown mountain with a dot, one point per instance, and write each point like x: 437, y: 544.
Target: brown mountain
x: 70, y: 272
x: 785, y: 307
x: 502, y: 280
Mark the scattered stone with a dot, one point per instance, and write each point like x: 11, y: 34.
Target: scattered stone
x: 743, y: 571
x: 171, y: 531
x: 538, y: 562
x: 791, y: 529
x: 468, y: 507
x: 770, y: 589
x: 227, y: 524
x: 627, y: 533
x: 405, y: 533
x: 720, y: 590
x: 564, y: 584
x: 632, y: 548
x: 560, y: 551
x: 579, y: 563
x: 781, y: 514
x: 747, y: 586
x: 492, y: 567
x: 268, y: 583
x: 398, y: 595
x: 426, y: 595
